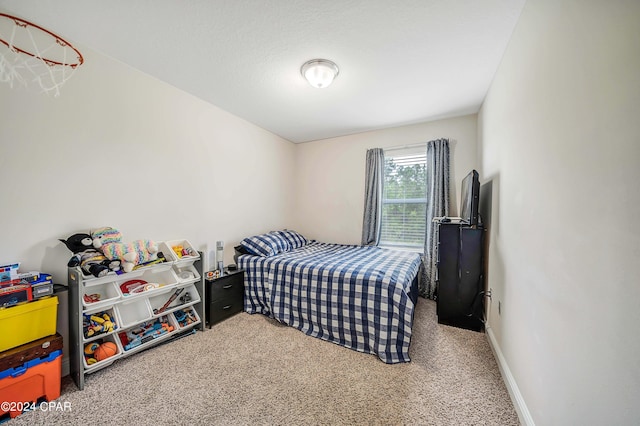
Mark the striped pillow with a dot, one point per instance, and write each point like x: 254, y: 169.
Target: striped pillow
x: 295, y: 240
x: 266, y: 244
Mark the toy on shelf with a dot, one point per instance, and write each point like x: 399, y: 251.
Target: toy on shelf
x: 98, y: 323
x: 98, y: 351
x: 160, y: 259
x: 109, y: 241
x: 89, y: 349
x: 169, y: 302
x: 14, y: 294
x: 9, y: 272
x: 181, y: 251
x: 186, y: 298
x: 185, y: 317
x: 105, y: 350
x: 145, y: 332
x: 17, y: 287
x: 92, y: 298
x: 137, y: 286
x: 186, y: 275
x: 90, y: 260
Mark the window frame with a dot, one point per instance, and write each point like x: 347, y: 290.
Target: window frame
x: 402, y: 152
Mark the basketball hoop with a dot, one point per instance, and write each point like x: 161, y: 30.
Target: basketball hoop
x: 32, y: 56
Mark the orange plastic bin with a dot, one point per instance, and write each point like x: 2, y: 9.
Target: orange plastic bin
x: 34, y: 380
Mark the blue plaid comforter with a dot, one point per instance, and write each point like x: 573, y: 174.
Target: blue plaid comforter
x: 357, y: 297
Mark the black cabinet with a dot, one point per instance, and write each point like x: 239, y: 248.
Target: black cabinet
x: 460, y: 294
x: 225, y: 296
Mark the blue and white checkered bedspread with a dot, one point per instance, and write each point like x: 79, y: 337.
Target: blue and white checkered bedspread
x: 357, y: 297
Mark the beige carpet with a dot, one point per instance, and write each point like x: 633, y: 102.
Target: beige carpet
x: 252, y: 370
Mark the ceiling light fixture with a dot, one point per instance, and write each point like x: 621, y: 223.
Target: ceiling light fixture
x: 319, y: 72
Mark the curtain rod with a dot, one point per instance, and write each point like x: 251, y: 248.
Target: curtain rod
x: 415, y: 145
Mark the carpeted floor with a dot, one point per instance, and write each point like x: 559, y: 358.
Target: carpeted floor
x: 252, y: 370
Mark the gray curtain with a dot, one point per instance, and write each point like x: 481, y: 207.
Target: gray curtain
x: 372, y: 219
x: 437, y: 206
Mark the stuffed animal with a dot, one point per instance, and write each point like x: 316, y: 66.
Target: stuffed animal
x: 109, y: 241
x: 90, y: 260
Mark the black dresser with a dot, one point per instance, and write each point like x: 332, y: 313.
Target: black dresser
x: 225, y: 296
x: 460, y: 296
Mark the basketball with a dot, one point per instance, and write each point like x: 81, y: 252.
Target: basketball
x: 105, y: 350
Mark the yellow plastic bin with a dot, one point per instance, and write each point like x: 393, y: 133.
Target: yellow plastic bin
x: 27, y: 322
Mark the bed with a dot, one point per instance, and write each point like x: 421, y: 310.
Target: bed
x: 359, y: 297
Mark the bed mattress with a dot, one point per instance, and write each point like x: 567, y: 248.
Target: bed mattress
x: 359, y: 297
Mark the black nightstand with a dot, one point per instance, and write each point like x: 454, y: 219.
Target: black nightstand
x: 225, y: 296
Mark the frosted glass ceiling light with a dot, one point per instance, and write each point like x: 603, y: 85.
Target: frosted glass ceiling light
x: 319, y: 72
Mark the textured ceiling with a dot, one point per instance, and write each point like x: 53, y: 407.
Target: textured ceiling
x: 401, y: 62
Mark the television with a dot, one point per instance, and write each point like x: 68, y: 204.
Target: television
x: 470, y: 195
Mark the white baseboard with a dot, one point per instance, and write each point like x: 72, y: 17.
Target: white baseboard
x: 516, y: 397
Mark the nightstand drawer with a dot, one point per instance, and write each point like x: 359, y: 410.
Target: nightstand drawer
x: 229, y: 286
x: 225, y: 308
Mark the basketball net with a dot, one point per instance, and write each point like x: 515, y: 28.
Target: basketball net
x: 33, y: 57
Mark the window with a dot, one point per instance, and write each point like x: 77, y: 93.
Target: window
x: 404, y: 202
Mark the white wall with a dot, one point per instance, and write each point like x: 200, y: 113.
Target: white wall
x: 559, y: 140
x: 120, y: 148
x: 330, y: 174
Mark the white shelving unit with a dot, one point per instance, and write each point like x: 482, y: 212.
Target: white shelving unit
x: 133, y: 313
